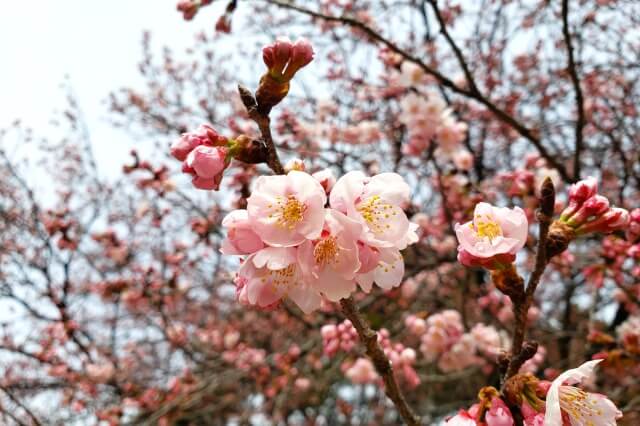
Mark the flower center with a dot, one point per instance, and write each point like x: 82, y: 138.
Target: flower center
x: 326, y: 251
x: 376, y: 212
x: 488, y: 227
x: 289, y: 210
x: 579, y: 405
x: 282, y: 277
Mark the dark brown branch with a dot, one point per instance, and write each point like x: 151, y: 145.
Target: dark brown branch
x: 442, y: 79
x: 521, y: 306
x: 369, y: 339
x: 264, y: 124
x: 575, y: 80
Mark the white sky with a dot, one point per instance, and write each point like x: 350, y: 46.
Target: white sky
x: 97, y: 43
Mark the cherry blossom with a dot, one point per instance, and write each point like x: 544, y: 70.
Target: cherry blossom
x: 286, y: 210
x: 579, y: 406
x: 493, y: 237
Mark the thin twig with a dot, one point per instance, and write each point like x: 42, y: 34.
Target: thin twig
x: 521, y: 307
x: 369, y: 339
x: 575, y: 80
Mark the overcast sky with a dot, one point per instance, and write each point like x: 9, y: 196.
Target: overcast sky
x: 96, y: 43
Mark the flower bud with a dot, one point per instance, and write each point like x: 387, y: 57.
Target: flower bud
x: 583, y: 190
x: 207, y: 162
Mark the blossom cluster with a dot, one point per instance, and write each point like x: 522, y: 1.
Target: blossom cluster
x: 296, y: 247
x: 428, y: 119
x: 589, y: 212
x: 444, y: 340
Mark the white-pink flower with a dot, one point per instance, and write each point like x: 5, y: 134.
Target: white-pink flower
x: 286, y: 210
x: 582, y: 408
x: 330, y: 263
x: 241, y: 239
x: 388, y: 272
x: 493, y: 236
x: 272, y: 274
x: 377, y: 203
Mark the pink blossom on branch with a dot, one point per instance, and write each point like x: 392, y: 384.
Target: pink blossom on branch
x: 287, y: 210
x: 493, y: 237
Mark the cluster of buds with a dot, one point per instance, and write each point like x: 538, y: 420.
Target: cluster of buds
x: 205, y: 154
x: 338, y: 337
x: 283, y: 59
x: 55, y: 223
x: 402, y: 358
x: 587, y: 212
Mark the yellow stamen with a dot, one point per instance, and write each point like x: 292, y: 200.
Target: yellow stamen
x: 488, y: 228
x: 375, y: 212
x: 289, y: 211
x: 326, y: 251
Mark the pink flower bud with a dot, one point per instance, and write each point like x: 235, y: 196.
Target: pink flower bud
x: 593, y: 207
x: 583, y: 190
x: 614, y: 219
x: 328, y: 331
x: 362, y: 371
x: 277, y: 54
x: 301, y: 55
x: 206, y: 161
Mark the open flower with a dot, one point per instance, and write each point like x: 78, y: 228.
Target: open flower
x: 375, y: 202
x: 330, y: 262
x: 493, y: 237
x: 582, y: 408
x: 286, y: 210
x: 387, y: 273
x: 272, y: 274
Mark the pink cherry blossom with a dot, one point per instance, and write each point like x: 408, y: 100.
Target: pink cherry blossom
x: 387, y: 274
x: 271, y: 274
x: 579, y: 406
x: 286, y: 210
x: 330, y: 262
x: 377, y: 203
x: 241, y: 239
x: 493, y: 236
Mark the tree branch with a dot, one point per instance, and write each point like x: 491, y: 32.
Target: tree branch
x: 370, y: 340
x: 521, y: 306
x: 573, y: 72
x: 442, y: 79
